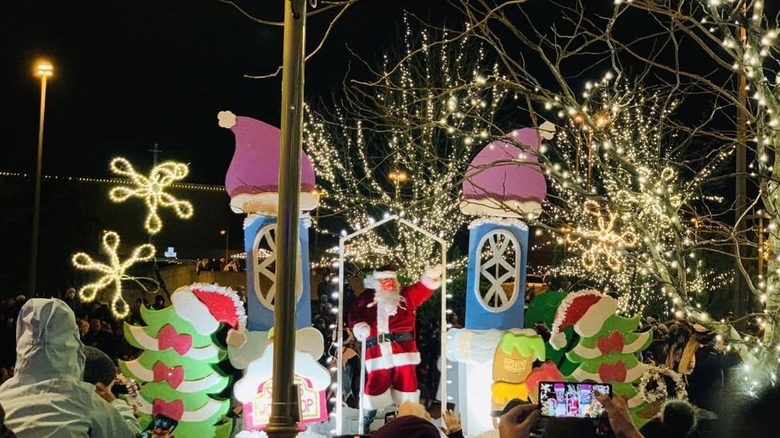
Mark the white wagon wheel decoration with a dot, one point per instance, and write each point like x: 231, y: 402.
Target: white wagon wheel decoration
x: 265, y: 268
x: 496, y: 270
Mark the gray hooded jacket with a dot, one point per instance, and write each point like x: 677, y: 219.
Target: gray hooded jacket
x: 46, y: 396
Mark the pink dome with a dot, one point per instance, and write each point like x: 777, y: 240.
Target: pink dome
x: 505, y: 180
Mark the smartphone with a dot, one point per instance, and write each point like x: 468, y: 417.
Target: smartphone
x: 571, y: 399
x: 160, y: 427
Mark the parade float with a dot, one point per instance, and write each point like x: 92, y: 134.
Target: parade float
x: 494, y: 359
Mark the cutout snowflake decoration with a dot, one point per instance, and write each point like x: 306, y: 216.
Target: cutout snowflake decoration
x: 113, y: 272
x: 152, y: 190
x: 604, y: 240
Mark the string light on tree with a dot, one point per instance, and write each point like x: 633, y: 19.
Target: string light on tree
x: 152, y: 189
x: 637, y: 186
x: 421, y: 144
x: 113, y: 273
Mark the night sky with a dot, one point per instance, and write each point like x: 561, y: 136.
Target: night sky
x: 129, y: 74
x: 132, y: 74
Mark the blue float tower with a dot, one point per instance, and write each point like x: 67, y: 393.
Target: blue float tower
x: 259, y: 240
x: 503, y: 185
x: 495, y: 289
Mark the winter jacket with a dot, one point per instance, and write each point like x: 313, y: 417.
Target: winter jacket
x: 46, y: 397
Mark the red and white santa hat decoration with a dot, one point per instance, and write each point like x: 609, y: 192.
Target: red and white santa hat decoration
x: 586, y: 311
x: 206, y: 306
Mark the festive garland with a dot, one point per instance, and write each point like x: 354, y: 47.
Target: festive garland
x: 656, y: 375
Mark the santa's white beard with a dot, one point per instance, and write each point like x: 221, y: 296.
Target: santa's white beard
x: 389, y: 300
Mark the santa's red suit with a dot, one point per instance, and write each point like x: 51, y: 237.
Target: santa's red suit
x: 386, y: 320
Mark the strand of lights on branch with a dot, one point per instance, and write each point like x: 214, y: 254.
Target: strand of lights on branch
x: 116, y: 181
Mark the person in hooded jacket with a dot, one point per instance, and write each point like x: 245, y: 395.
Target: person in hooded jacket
x: 4, y: 431
x: 46, y: 397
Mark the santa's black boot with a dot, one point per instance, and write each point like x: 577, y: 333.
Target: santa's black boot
x: 368, y: 418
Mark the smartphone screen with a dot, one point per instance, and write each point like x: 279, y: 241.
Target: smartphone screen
x: 160, y: 427
x: 571, y: 399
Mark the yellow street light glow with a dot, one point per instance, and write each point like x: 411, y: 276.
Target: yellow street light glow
x: 601, y: 120
x: 44, y: 68
x: 398, y: 176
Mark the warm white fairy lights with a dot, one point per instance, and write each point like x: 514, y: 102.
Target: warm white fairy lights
x: 604, y: 242
x: 113, y: 273
x: 152, y: 190
x: 751, y: 45
x: 406, y: 123
x: 633, y: 205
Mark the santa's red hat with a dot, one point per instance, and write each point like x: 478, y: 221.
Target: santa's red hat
x: 206, y: 306
x: 586, y: 311
x: 386, y: 271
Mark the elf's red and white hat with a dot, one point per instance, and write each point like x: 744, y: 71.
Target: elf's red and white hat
x: 206, y: 306
x: 586, y: 310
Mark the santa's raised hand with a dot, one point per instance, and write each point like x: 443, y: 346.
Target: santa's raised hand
x: 432, y: 277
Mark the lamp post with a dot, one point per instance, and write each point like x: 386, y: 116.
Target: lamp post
x: 399, y: 178
x: 319, y: 193
x: 225, y: 232
x: 285, y: 406
x: 44, y: 70
x: 600, y: 121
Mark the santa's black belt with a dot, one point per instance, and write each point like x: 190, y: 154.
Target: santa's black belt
x: 389, y: 337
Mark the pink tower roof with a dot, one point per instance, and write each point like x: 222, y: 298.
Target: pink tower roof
x: 252, y: 180
x: 505, y: 180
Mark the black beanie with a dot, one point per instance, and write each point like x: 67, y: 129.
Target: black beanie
x: 99, y: 368
x: 407, y: 426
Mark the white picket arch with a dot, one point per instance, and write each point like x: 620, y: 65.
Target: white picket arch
x: 443, y: 359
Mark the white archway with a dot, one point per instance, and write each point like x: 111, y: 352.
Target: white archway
x: 340, y: 338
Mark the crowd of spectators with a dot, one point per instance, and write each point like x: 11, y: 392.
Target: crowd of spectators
x: 221, y: 265
x: 105, y: 344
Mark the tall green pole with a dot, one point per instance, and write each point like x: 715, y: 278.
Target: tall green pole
x: 284, y: 396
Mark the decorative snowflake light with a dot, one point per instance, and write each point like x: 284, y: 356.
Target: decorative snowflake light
x: 605, y: 241
x: 152, y: 190
x: 113, y: 272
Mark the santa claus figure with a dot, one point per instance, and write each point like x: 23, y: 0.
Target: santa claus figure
x: 384, y: 316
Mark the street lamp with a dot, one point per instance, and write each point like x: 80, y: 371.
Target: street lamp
x: 600, y: 122
x: 398, y: 177
x: 319, y: 193
x: 226, y: 233
x: 44, y: 70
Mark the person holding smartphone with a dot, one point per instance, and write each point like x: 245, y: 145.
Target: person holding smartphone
x: 519, y: 420
x: 619, y: 418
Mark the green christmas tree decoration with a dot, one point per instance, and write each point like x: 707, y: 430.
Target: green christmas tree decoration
x: 607, y: 346
x: 543, y: 308
x: 178, y: 368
